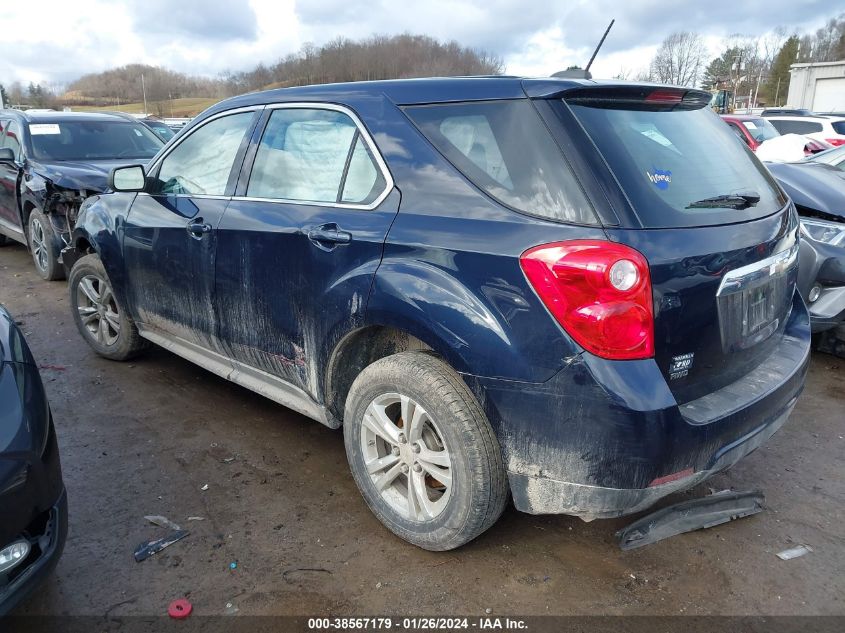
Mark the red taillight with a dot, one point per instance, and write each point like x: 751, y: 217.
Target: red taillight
x: 836, y: 142
x: 600, y: 292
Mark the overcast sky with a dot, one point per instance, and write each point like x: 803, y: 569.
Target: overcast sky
x: 55, y: 41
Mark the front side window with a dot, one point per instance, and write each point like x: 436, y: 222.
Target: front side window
x: 504, y: 149
x: 202, y: 163
x: 313, y: 155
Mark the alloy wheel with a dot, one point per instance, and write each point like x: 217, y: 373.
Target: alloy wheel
x: 39, y: 245
x: 406, y: 457
x: 98, y: 309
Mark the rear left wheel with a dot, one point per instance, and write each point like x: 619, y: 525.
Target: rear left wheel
x: 422, y: 452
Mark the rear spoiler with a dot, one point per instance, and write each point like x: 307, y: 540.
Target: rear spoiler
x: 622, y: 95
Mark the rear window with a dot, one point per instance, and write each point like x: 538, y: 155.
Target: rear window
x: 669, y: 162
x: 505, y: 149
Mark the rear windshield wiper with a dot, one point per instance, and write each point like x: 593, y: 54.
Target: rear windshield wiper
x: 740, y: 200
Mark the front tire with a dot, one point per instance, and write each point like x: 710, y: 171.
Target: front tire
x: 422, y: 452
x: 100, y: 319
x: 42, y: 244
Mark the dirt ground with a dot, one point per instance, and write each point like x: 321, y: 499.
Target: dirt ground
x: 147, y: 437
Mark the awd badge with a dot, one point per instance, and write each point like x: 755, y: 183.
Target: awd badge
x: 680, y: 366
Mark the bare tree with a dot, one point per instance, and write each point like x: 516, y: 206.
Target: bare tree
x: 679, y: 60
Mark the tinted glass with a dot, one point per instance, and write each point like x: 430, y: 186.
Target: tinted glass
x: 796, y: 127
x: 505, y: 150
x: 92, y: 140
x: 668, y: 160
x: 161, y: 130
x: 364, y: 181
x: 303, y: 155
x: 735, y: 129
x: 838, y: 127
x: 202, y: 162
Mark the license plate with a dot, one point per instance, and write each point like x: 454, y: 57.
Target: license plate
x: 758, y: 309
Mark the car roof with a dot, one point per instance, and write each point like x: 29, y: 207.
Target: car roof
x: 420, y: 91
x: 43, y: 116
x: 799, y: 117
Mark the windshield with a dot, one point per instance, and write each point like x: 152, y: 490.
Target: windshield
x: 92, y: 140
x: 761, y: 129
x: 680, y: 167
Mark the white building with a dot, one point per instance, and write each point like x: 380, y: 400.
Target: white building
x: 819, y: 87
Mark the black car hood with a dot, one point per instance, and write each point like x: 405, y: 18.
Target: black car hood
x: 814, y: 186
x: 91, y: 176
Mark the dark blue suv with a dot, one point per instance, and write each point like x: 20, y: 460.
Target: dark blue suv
x: 579, y: 293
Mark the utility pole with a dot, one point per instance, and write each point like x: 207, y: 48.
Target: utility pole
x: 777, y: 91
x: 144, y: 91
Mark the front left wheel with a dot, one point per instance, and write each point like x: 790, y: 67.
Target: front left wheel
x: 99, y: 317
x: 42, y: 244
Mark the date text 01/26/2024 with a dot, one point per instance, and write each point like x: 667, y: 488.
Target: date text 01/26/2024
x: 416, y: 624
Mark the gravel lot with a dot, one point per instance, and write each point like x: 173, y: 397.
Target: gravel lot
x: 145, y: 438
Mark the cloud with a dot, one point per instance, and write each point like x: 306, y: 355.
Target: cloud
x: 208, y: 37
x: 216, y: 21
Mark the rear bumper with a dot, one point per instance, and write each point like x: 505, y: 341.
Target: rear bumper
x: 605, y: 439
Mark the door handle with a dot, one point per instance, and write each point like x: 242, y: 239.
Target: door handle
x: 328, y: 234
x: 197, y: 228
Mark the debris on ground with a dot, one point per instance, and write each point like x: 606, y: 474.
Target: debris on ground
x: 180, y: 609
x: 233, y: 565
x: 688, y: 516
x: 794, y: 552
x: 228, y: 460
x: 196, y: 518
x: 53, y: 367
x: 162, y: 522
x: 204, y: 488
x: 231, y: 609
x: 148, y: 548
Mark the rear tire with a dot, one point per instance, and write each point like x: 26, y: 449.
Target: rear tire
x: 4, y: 241
x: 436, y: 480
x: 45, y: 255
x: 100, y: 319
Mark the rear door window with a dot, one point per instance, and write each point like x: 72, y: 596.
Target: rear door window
x: 505, y: 150
x: 670, y: 161
x: 838, y: 127
x: 314, y: 155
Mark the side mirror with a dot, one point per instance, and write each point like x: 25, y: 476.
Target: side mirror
x: 129, y: 178
x: 7, y: 155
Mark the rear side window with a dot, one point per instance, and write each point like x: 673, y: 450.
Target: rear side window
x: 505, y: 149
x: 839, y: 127
x: 314, y: 155
x: 796, y: 127
x: 671, y: 162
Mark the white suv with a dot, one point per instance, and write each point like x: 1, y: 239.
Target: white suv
x: 824, y: 128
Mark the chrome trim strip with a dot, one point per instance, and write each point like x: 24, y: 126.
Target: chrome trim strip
x: 737, y: 279
x: 260, y: 382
